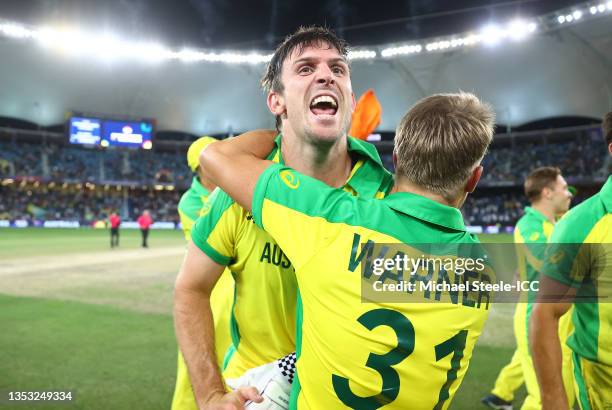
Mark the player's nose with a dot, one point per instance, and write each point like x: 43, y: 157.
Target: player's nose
x: 324, y: 74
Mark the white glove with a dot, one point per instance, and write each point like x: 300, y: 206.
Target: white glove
x: 272, y: 381
x: 276, y: 396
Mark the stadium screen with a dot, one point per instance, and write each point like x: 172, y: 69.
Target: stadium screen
x: 85, y: 131
x: 136, y: 134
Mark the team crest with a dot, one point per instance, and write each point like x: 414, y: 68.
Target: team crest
x: 290, y: 179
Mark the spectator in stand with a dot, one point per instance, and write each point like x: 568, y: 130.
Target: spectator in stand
x: 114, y: 221
x: 145, y: 222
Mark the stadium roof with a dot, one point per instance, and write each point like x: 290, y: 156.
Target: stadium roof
x: 566, y: 70
x: 244, y: 24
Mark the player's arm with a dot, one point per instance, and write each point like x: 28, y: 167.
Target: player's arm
x: 554, y: 300
x: 245, y: 153
x: 193, y: 322
x: 194, y: 328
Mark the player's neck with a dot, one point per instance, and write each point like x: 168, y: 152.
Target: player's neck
x: 329, y: 163
x: 544, y: 210
x: 405, y: 186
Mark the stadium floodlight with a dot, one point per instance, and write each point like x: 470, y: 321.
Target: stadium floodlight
x: 152, y: 52
x: 593, y: 10
x: 16, y: 31
x: 361, y: 54
x: 577, y: 15
x: 190, y: 56
x: 601, y: 8
x: 569, y: 18
x: 561, y: 19
x: 402, y: 50
x: 609, y: 5
x: 492, y: 34
x: 518, y: 29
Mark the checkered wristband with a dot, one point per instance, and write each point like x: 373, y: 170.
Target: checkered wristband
x: 286, y: 366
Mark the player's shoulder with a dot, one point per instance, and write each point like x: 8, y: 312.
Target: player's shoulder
x: 221, y: 204
x: 578, y: 222
x: 531, y: 227
x: 187, y: 195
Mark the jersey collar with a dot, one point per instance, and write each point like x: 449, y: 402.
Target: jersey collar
x: 198, y: 188
x: 426, y: 209
x: 365, y: 177
x: 606, y: 194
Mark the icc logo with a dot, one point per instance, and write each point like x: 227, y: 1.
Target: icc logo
x: 290, y: 179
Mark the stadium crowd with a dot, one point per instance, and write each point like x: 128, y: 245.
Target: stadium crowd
x: 578, y: 156
x: 67, y: 163
x: 86, y: 204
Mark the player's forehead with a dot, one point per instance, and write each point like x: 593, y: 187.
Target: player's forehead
x: 314, y: 51
x: 561, y: 182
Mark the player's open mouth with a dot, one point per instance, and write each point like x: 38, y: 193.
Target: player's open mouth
x: 324, y: 105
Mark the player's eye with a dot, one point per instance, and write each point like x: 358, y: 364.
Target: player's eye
x: 338, y: 69
x: 305, y: 69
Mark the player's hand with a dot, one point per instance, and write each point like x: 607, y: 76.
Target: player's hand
x: 234, y: 400
x: 257, y: 377
x: 273, y: 380
x: 275, y: 396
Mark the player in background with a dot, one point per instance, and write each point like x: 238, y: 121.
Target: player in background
x: 364, y: 354
x: 144, y: 222
x: 578, y: 272
x: 548, y: 194
x: 114, y: 220
x: 309, y: 92
x: 194, y: 203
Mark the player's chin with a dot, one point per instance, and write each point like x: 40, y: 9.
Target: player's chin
x: 327, y: 131
x: 326, y: 136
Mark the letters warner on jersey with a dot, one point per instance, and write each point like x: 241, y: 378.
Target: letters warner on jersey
x: 263, y: 320
x: 365, y: 355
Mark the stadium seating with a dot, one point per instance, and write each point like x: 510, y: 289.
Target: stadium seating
x: 60, y: 171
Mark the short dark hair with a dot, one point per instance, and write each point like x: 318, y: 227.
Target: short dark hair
x: 538, y: 179
x: 313, y: 36
x: 606, y: 126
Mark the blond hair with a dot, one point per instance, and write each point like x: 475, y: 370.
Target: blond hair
x: 440, y: 141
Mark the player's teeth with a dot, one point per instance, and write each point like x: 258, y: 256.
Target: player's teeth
x: 324, y: 98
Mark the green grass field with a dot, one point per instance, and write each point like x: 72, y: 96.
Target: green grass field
x: 77, y: 316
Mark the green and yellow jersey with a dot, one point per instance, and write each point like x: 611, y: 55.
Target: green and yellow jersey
x: 531, y: 235
x: 357, y: 353
x: 194, y: 203
x: 263, y: 319
x: 532, y: 228
x: 578, y: 261
x: 588, y: 223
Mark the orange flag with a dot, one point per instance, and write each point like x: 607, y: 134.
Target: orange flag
x: 366, y: 116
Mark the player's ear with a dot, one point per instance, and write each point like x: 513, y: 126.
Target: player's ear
x: 473, y: 180
x: 394, y: 158
x: 546, y: 192
x: 610, y: 148
x: 276, y: 103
